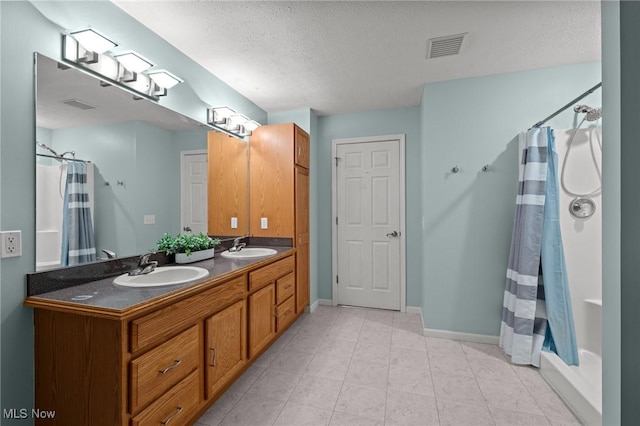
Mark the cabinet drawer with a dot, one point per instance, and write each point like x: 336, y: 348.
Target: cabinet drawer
x: 157, y: 325
x: 267, y: 274
x: 175, y: 407
x: 161, y: 368
x: 285, y: 287
x: 286, y: 313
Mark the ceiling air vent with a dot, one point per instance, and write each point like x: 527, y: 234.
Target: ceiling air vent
x: 444, y: 46
x: 78, y: 104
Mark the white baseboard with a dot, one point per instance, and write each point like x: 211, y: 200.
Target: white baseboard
x: 415, y: 310
x: 453, y: 335
x: 319, y: 302
x: 464, y: 337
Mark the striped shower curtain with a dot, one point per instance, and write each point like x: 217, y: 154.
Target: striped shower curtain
x: 78, y: 244
x: 536, y: 309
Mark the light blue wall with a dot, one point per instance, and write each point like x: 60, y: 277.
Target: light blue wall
x: 371, y: 123
x: 468, y: 216
x: 26, y: 28
x: 302, y: 117
x: 611, y: 213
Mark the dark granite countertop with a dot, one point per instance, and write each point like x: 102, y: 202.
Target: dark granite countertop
x: 104, y: 294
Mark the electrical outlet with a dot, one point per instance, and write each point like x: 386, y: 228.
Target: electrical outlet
x: 11, y: 243
x: 264, y: 223
x: 149, y: 219
x: 234, y: 223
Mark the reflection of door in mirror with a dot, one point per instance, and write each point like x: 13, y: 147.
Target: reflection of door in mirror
x: 228, y: 185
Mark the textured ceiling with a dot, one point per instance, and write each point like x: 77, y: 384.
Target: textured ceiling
x: 337, y: 57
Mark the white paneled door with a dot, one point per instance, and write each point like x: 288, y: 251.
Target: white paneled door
x: 194, y: 191
x: 368, y: 250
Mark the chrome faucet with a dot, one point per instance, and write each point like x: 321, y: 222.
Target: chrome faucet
x: 237, y: 245
x: 144, y: 265
x: 110, y: 254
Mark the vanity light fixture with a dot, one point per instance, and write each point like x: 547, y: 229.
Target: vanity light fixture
x: 164, y: 79
x: 133, y: 61
x: 236, y: 121
x: 219, y: 115
x: 122, y: 69
x: 93, y: 40
x: 251, y: 125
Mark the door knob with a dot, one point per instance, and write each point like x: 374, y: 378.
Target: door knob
x: 186, y: 229
x: 392, y: 234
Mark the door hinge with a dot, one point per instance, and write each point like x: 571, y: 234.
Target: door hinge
x: 337, y: 158
x: 337, y: 280
x: 336, y: 220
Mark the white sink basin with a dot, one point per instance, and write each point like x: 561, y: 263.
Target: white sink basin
x: 248, y: 253
x: 164, y: 275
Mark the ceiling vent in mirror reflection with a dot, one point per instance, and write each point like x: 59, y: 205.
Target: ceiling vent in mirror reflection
x: 78, y: 104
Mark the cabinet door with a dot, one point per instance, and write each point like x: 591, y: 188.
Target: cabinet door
x: 302, y: 277
x: 302, y: 147
x: 228, y: 194
x: 302, y: 205
x: 271, y: 181
x: 262, y: 321
x: 225, y: 346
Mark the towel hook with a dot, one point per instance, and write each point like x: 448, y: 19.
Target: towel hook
x: 485, y: 168
x: 455, y: 169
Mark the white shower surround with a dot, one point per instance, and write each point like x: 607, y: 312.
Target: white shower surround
x: 581, y: 386
x: 49, y: 193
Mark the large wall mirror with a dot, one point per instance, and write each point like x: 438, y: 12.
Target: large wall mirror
x: 133, y: 150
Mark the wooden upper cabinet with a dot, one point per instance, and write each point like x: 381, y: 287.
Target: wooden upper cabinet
x: 301, y: 147
x: 228, y: 184
x: 271, y: 165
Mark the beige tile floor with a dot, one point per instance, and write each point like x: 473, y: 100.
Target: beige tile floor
x: 353, y: 366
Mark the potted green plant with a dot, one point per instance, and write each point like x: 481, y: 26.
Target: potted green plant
x: 188, y: 247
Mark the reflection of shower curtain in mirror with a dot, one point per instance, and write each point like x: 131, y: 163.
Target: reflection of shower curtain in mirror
x: 78, y: 244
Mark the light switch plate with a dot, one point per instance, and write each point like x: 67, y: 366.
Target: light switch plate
x: 234, y: 223
x: 264, y: 223
x: 149, y: 219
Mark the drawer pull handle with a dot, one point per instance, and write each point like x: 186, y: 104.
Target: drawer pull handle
x: 287, y: 313
x: 166, y: 422
x: 287, y: 287
x: 175, y: 364
x: 213, y: 357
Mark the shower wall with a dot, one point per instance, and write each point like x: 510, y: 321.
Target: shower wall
x: 582, y: 238
x: 50, y: 186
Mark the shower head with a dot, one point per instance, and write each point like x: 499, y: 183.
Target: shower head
x: 45, y: 146
x: 593, y: 114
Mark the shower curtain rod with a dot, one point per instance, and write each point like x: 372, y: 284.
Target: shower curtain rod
x: 588, y: 92
x: 62, y: 158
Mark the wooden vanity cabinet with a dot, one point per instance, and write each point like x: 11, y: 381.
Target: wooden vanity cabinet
x: 271, y: 295
x: 158, y: 365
